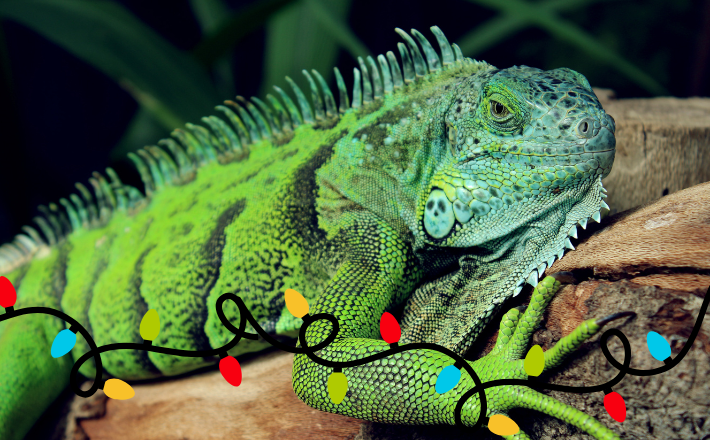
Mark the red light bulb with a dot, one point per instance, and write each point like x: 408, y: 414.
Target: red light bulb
x: 231, y: 371
x: 615, y: 406
x: 389, y: 328
x: 8, y: 295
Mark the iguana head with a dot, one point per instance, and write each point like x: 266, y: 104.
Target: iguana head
x: 519, y: 140
x: 522, y: 144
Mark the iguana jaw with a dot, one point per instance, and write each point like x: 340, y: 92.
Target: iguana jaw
x: 554, y: 219
x: 522, y: 255
x: 478, y: 206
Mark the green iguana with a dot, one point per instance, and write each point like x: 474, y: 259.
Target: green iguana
x: 444, y: 184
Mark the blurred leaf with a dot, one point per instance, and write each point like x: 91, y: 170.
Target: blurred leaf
x: 499, y: 28
x: 141, y: 131
x: 156, y: 108
x: 241, y: 23
x: 110, y: 38
x: 491, y: 32
x: 211, y: 14
x: 296, y: 40
x: 338, y: 29
x: 525, y: 14
x: 569, y: 5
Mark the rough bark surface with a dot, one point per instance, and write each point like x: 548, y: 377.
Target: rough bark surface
x: 205, y: 406
x: 662, y: 146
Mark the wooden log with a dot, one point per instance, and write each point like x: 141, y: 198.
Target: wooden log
x: 205, y: 406
x: 666, y: 243
x: 662, y: 146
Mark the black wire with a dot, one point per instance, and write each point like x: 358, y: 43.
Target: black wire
x: 246, y: 316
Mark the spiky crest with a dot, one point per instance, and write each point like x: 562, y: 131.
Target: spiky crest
x: 250, y: 122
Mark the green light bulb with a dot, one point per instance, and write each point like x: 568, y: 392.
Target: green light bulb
x: 150, y: 325
x: 337, y: 387
x: 534, y: 361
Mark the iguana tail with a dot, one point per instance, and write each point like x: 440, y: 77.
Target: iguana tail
x: 28, y: 388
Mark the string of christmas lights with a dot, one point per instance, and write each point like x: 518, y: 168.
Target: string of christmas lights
x: 337, y: 384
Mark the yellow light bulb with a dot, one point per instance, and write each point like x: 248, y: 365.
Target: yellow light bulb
x: 118, y: 389
x: 534, y: 361
x: 150, y: 325
x: 296, y: 303
x: 337, y: 387
x: 501, y: 425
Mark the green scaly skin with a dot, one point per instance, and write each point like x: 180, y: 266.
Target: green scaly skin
x: 448, y: 191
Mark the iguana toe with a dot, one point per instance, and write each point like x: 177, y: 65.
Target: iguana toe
x: 505, y: 361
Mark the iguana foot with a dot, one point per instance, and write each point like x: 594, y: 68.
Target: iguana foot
x: 506, y: 361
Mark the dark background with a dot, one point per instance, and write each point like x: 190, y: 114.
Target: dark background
x: 62, y: 118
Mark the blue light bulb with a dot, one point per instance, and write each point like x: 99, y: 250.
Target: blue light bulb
x: 658, y: 346
x: 448, y: 378
x: 63, y: 343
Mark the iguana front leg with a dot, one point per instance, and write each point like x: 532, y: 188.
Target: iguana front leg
x: 379, y: 273
x: 31, y: 379
x: 401, y: 388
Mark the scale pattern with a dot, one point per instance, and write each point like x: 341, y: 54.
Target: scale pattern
x: 437, y: 182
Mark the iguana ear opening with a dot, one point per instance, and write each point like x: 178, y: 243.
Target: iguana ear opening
x: 451, y: 137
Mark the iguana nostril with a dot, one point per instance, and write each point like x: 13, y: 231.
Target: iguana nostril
x: 584, y: 128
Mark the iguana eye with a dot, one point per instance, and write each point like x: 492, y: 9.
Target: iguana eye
x: 498, y: 110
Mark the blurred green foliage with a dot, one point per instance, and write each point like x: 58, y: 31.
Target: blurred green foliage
x: 174, y: 86
x: 636, y: 47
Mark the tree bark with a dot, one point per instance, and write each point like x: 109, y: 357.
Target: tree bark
x: 662, y: 146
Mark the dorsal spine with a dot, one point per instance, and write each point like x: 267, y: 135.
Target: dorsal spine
x: 176, y: 160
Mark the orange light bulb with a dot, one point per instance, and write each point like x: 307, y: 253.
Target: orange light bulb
x: 501, y: 425
x: 118, y: 389
x: 296, y: 303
